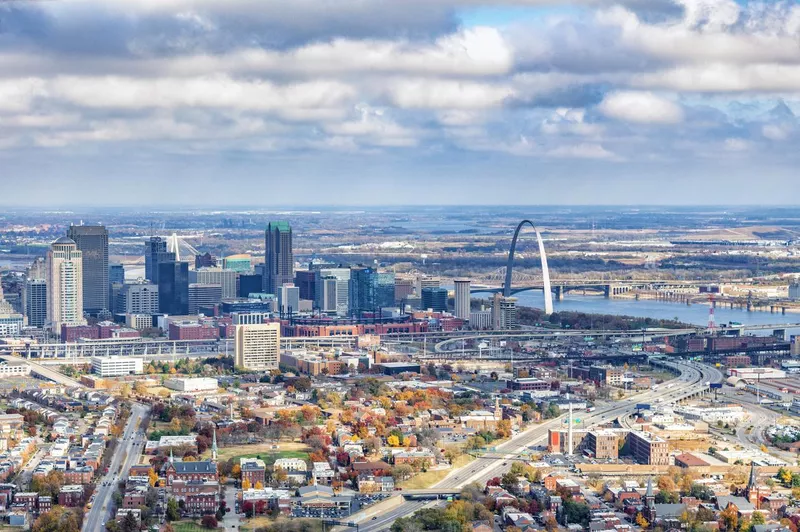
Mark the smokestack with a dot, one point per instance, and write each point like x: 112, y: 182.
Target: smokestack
x: 569, y: 437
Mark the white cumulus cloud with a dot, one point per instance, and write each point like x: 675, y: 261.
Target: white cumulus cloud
x: 641, y: 108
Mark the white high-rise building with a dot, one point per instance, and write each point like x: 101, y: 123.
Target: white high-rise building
x: 338, y: 297
x: 115, y: 366
x: 326, y: 294
x: 504, y: 312
x: 289, y: 298
x: 64, y: 284
x: 258, y: 346
x: 462, y: 298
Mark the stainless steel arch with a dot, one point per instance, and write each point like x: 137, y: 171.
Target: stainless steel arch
x: 548, y: 295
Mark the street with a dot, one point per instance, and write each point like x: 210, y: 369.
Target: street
x: 129, y: 447
x: 693, y: 378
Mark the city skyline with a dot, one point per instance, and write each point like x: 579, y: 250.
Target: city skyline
x: 366, y: 102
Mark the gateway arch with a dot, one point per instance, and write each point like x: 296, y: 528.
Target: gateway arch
x: 548, y: 295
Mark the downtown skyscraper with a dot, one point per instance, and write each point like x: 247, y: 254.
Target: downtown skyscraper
x: 155, y: 252
x: 278, y: 257
x: 64, y: 284
x: 92, y: 242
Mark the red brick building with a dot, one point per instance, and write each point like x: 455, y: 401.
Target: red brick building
x: 254, y: 470
x: 79, y: 475
x: 192, y: 331
x: 188, y: 471
x: 71, y: 496
x: 29, y: 499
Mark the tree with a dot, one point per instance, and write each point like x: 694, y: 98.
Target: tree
x: 785, y: 476
x: 667, y: 497
x: 49, y: 485
x: 641, y: 521
x: 125, y: 390
x: 259, y: 485
x: 577, y: 512
x: 402, y: 472
x: 129, y: 523
x: 503, y: 428
x: 393, y: 441
x: 59, y: 519
x: 152, y: 477
x: 729, y: 517
x: 236, y: 471
x: 246, y: 484
x: 665, y: 483
x: 209, y: 521
x: 758, y: 518
x: 173, y: 513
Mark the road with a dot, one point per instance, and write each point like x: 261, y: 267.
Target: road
x: 692, y: 379
x: 761, y: 418
x: 23, y: 480
x: 128, y: 450
x: 231, y: 519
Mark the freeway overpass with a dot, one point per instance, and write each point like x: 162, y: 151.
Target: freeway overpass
x: 46, y: 373
x: 148, y: 347
x: 693, y: 380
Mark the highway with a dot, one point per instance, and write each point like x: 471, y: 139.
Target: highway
x: 129, y: 448
x: 693, y: 379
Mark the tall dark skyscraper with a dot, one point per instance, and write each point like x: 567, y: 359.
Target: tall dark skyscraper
x: 116, y: 274
x: 92, y: 242
x: 36, y: 302
x: 155, y: 252
x: 173, y: 288
x: 278, y: 257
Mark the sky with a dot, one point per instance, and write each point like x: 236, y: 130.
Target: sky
x: 378, y: 102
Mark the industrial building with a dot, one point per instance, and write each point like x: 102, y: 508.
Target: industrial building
x: 647, y: 448
x: 602, y: 444
x: 199, y: 384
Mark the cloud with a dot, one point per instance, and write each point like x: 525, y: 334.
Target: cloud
x: 204, y: 92
x: 720, y: 77
x: 736, y: 145
x: 641, y: 108
x: 447, y: 94
x: 404, y: 86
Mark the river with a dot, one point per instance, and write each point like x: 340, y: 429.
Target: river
x: 649, y: 308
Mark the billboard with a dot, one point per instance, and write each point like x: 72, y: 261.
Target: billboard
x: 642, y: 406
x: 715, y: 385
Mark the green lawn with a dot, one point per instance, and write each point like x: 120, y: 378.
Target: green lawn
x: 429, y: 478
x: 188, y: 526
x: 264, y: 451
x: 270, y: 458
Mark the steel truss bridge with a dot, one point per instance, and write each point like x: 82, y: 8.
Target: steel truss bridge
x: 522, y: 282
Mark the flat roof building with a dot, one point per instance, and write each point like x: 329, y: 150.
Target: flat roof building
x: 603, y: 444
x: 258, y: 346
x: 648, y: 448
x: 115, y: 366
x: 192, y: 385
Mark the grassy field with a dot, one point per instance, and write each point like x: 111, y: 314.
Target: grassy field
x: 428, y: 479
x: 264, y: 451
x: 188, y: 526
x: 255, y: 523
